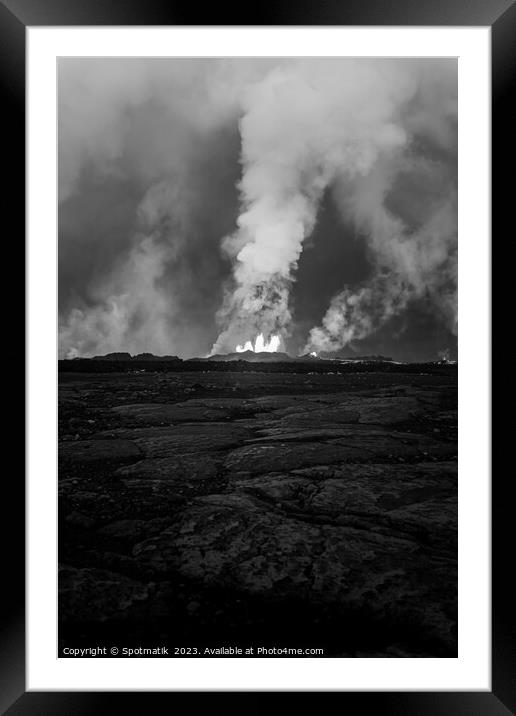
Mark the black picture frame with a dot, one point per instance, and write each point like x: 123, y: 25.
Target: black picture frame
x: 15, y: 17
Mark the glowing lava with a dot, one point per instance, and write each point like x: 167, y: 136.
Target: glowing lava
x: 261, y: 345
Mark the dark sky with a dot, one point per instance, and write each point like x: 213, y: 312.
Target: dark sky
x: 161, y: 160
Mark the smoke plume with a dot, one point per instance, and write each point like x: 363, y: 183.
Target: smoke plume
x: 189, y: 189
x: 307, y: 126
x: 409, y: 263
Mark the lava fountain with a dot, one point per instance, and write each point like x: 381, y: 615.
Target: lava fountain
x: 261, y: 345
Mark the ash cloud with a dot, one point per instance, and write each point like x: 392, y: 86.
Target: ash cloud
x: 193, y: 194
x: 148, y: 162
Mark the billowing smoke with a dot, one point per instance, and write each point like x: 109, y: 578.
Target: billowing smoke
x: 409, y: 262
x: 148, y: 161
x: 160, y: 160
x: 129, y: 308
x: 305, y: 125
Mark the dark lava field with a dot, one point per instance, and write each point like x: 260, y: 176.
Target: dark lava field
x: 282, y: 509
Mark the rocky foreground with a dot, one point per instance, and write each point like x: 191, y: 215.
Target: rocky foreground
x: 260, y: 509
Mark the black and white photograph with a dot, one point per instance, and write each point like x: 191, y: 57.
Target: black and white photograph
x: 258, y: 355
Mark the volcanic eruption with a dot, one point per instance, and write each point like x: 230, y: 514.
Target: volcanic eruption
x: 208, y: 181
x: 309, y: 128
x: 261, y: 345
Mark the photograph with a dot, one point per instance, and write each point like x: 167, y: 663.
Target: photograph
x: 257, y: 280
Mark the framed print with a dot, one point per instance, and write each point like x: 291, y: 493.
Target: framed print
x: 258, y: 354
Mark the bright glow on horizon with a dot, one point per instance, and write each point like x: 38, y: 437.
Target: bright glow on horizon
x: 260, y: 345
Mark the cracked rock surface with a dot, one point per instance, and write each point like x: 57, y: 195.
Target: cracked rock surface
x: 315, y: 510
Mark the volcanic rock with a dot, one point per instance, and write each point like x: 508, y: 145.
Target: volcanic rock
x: 274, y: 500
x: 98, y: 595
x: 166, y: 414
x: 251, y: 357
x: 98, y: 451
x: 184, y: 438
x: 178, y: 469
x: 236, y: 541
x: 289, y: 451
